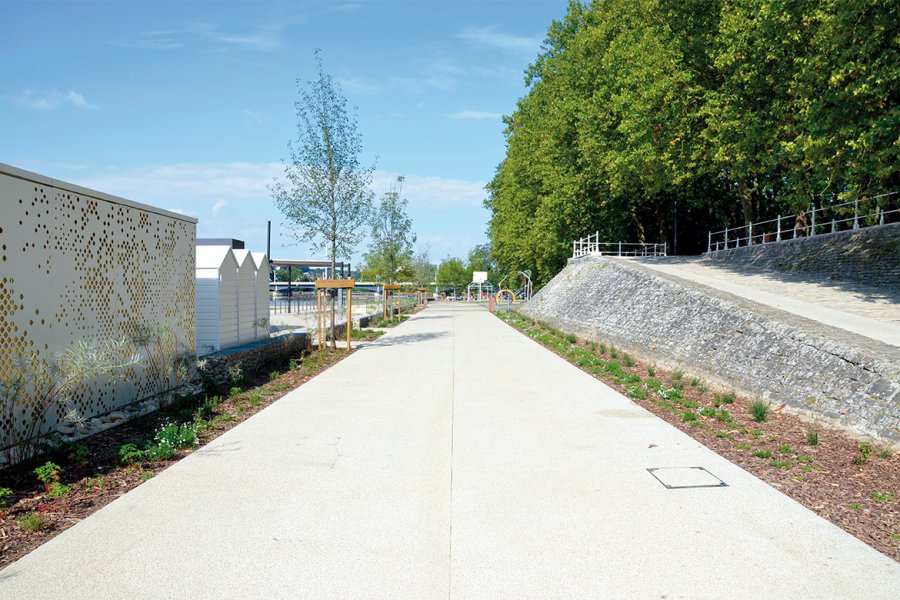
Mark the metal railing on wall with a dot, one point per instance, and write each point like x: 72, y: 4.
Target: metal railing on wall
x: 592, y: 245
x: 816, y: 221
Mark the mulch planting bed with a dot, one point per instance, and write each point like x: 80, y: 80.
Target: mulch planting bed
x: 92, y: 470
x: 854, y: 484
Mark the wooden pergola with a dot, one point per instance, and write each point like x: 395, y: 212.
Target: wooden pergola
x: 322, y: 287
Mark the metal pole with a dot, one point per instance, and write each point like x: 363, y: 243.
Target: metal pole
x: 726, y: 238
x: 750, y: 236
x: 709, y: 243
x: 778, y: 235
x: 856, y: 214
x: 269, y: 249
x: 812, y: 209
x: 833, y: 228
x: 620, y: 247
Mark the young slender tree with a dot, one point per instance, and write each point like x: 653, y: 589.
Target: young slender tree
x: 390, y: 255
x: 326, y: 197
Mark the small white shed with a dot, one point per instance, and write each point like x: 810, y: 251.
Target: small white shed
x: 246, y: 296
x: 262, y: 294
x: 216, y: 276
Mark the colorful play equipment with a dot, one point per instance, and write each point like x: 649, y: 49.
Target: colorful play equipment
x: 323, y: 292
x: 522, y: 292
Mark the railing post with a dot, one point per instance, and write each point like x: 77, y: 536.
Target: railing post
x: 778, y: 235
x: 750, y: 236
x: 856, y: 214
x: 881, y: 217
x: 726, y: 238
x: 833, y: 227
x: 666, y: 248
x: 709, y: 243
x: 812, y: 209
x: 620, y: 247
x: 573, y: 248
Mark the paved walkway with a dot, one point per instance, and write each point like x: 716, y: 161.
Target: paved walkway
x: 453, y: 458
x: 864, y: 310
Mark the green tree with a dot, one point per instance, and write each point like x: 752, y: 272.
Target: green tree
x: 452, y: 273
x: 326, y: 197
x: 423, y: 269
x: 390, y: 255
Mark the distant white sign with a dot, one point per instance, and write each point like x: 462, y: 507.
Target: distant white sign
x: 479, y: 276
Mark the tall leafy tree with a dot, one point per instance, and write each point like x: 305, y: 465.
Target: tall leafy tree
x: 452, y: 273
x: 326, y: 197
x: 390, y: 255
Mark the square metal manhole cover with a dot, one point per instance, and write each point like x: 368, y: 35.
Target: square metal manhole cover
x: 677, y: 478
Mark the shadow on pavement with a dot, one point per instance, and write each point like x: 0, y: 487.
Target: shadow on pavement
x: 410, y: 338
x: 889, y: 292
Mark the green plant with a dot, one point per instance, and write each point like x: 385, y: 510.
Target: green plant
x: 651, y: 370
x: 58, y: 490
x: 97, y: 482
x: 48, y: 474
x: 855, y: 506
x: 762, y: 453
x: 613, y: 353
x: 708, y: 411
x: 234, y: 391
x: 255, y: 399
x: 628, y: 360
x: 743, y: 446
x: 636, y: 391
x: 723, y: 415
x: 781, y: 464
x: 6, y: 496
x: 755, y: 432
x: 570, y: 337
x: 130, y: 454
x: 147, y: 475
x: 602, y: 348
x: 725, y: 398
x: 79, y: 454
x: 759, y: 410
x: 236, y: 374
x: 274, y: 375
x: 688, y: 416
x: 695, y: 381
x: 885, y: 453
x: 812, y: 437
x: 882, y: 497
x: 38, y: 384
x: 785, y: 449
x: 31, y: 522
x: 677, y: 374
x: 292, y: 365
x: 860, y: 459
x: 865, y: 449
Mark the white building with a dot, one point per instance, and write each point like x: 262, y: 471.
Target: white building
x: 246, y: 296
x: 262, y: 294
x: 216, y: 275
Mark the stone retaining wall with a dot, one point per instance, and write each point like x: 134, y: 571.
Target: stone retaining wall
x: 870, y: 255
x: 733, y: 343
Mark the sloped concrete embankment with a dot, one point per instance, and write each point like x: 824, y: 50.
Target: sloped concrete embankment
x: 735, y: 343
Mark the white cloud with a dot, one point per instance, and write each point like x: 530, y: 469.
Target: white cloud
x: 474, y: 115
x: 51, y: 100
x: 433, y: 193
x: 254, y: 116
x: 266, y: 38
x: 218, y: 206
x: 491, y: 37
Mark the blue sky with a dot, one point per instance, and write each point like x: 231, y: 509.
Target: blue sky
x: 189, y: 105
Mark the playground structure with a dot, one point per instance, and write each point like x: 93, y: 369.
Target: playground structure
x: 323, y: 292
x: 388, y: 288
x: 512, y: 294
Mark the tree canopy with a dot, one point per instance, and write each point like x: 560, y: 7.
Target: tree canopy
x: 390, y: 255
x: 644, y: 118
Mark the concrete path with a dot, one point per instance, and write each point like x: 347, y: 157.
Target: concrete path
x: 453, y: 458
x: 867, y: 311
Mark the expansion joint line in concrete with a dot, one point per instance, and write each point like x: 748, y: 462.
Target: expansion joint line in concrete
x: 452, y: 422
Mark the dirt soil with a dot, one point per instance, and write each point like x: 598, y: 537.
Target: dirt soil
x: 854, y: 484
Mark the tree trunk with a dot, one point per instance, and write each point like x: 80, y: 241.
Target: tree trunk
x: 746, y: 192
x: 333, y: 298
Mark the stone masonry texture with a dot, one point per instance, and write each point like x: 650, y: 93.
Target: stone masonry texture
x: 870, y: 255
x: 733, y: 343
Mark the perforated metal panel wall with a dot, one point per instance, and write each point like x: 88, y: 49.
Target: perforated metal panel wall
x: 78, y: 264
